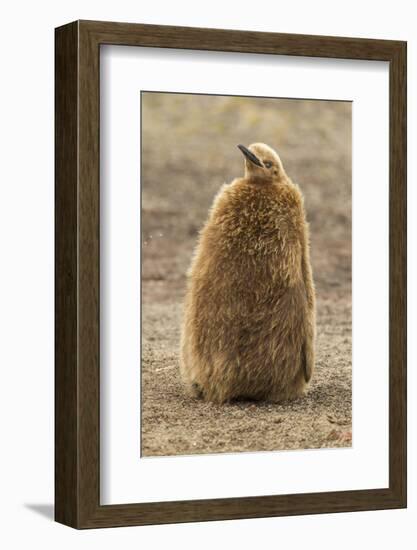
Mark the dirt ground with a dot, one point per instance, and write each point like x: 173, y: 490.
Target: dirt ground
x: 188, y: 151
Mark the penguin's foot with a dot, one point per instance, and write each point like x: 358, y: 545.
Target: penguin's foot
x: 196, y: 390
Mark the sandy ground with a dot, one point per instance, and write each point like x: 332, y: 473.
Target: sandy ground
x: 189, y: 150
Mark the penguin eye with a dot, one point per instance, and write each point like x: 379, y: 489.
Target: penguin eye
x: 268, y: 164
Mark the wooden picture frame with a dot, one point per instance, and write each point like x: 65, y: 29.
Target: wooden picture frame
x: 77, y: 375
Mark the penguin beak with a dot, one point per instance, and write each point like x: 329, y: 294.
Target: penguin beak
x: 250, y: 156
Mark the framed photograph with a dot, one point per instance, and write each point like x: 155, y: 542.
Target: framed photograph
x: 230, y: 274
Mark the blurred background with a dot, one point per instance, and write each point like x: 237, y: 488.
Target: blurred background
x: 188, y: 151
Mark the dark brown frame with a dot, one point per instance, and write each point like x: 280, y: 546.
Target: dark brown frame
x: 77, y: 359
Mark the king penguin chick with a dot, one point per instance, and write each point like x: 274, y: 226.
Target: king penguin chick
x: 249, y: 321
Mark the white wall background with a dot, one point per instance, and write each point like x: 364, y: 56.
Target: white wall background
x: 26, y: 273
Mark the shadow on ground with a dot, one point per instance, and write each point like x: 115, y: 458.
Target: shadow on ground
x: 45, y: 510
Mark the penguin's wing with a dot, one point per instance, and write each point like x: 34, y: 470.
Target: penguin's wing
x: 306, y: 364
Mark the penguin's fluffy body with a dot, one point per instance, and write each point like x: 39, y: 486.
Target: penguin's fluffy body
x: 249, y: 320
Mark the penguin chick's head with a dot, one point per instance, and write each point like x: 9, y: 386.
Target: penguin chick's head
x: 262, y: 163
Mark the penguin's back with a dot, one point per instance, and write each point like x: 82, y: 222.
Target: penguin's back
x: 246, y: 299
x: 257, y: 229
